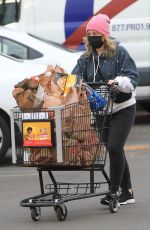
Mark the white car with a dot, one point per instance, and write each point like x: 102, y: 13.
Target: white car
x: 32, y: 50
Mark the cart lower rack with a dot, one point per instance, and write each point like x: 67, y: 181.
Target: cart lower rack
x: 65, y: 138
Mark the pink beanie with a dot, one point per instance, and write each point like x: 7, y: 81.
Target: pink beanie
x: 99, y: 23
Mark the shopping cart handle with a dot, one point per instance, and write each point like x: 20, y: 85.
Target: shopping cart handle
x: 94, y: 85
x: 97, y: 83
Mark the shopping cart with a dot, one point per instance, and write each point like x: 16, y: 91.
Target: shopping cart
x: 65, y: 138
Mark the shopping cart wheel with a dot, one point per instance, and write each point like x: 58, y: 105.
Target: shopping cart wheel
x: 35, y: 213
x: 61, y: 212
x: 113, y: 203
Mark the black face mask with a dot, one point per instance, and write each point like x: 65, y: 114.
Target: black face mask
x: 95, y: 41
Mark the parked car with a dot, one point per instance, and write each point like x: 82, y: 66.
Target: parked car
x: 32, y: 50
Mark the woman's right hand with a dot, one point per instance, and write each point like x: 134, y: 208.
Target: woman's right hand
x: 113, y: 84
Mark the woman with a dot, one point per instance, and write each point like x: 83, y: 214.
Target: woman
x: 29, y: 134
x: 105, y: 59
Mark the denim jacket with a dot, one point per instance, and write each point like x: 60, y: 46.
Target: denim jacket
x: 121, y: 64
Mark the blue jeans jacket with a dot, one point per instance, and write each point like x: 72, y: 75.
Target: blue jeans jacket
x: 119, y: 65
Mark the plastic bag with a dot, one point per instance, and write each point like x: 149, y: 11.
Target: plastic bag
x: 39, y: 98
x: 97, y: 101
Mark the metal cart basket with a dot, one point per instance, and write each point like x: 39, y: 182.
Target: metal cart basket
x: 64, y: 138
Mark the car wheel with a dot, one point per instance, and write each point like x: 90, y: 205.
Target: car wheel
x: 4, y: 137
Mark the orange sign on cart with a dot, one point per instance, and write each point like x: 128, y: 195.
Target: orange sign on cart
x: 37, y: 133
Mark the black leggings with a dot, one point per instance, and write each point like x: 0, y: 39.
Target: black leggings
x: 121, y: 123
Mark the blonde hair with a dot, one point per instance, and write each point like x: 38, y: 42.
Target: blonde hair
x: 108, y: 48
